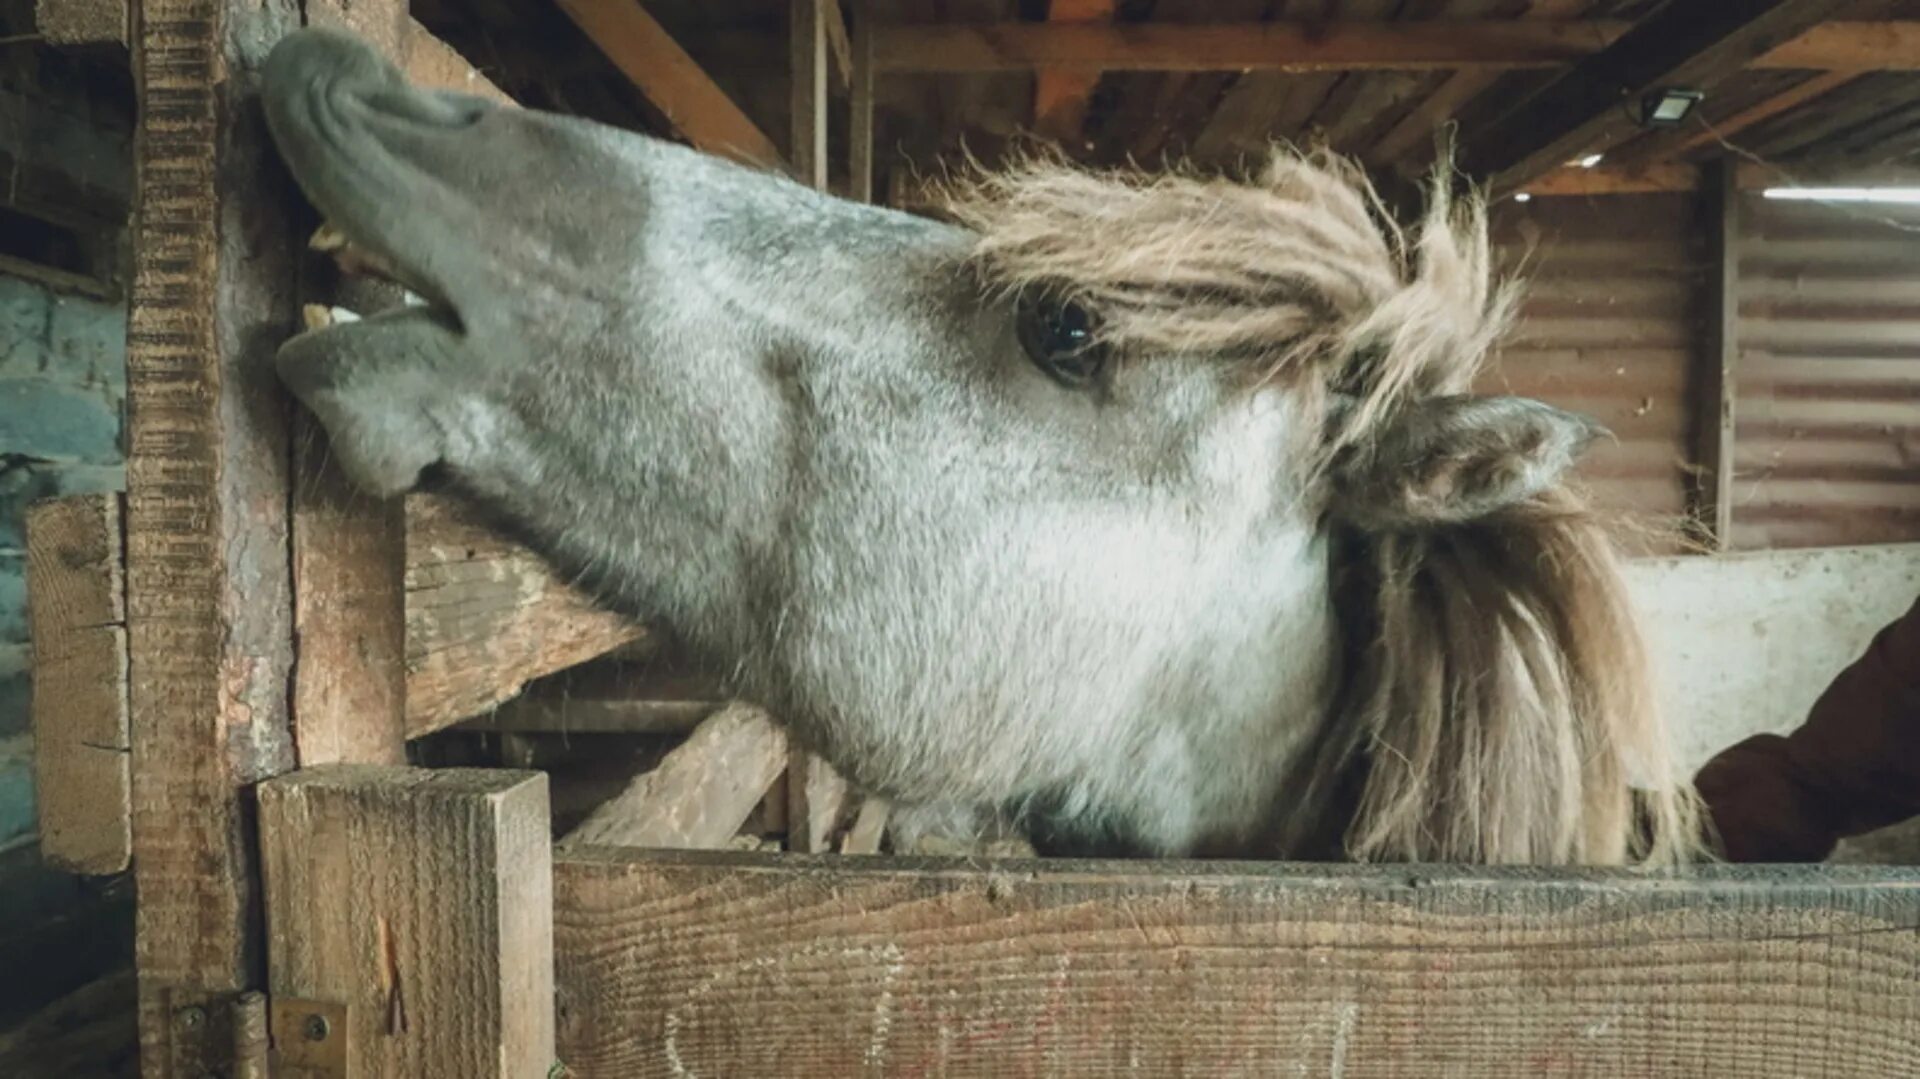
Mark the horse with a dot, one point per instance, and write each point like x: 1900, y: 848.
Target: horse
x: 1141, y: 515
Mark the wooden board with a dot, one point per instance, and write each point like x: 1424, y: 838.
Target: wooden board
x: 209, y: 611
x: 411, y: 908
x: 703, y: 791
x: 697, y: 963
x: 77, y: 612
x: 1743, y: 644
x: 486, y: 616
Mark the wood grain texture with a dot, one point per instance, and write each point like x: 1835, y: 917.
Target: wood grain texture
x: 349, y: 596
x: 701, y: 793
x: 209, y: 612
x: 421, y: 900
x: 486, y: 616
x: 696, y: 106
x: 869, y: 827
x: 696, y: 963
x: 77, y: 614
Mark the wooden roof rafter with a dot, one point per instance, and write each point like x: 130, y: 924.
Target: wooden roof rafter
x: 1496, y: 45
x: 1588, y: 108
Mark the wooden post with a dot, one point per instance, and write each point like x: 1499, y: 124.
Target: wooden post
x: 860, y: 106
x: 1715, y: 387
x: 410, y: 921
x: 808, y: 49
x: 209, y: 596
x: 76, y: 602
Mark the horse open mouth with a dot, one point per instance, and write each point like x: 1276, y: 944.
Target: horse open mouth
x: 381, y: 161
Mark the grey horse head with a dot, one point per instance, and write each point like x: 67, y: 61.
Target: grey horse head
x: 1040, y: 514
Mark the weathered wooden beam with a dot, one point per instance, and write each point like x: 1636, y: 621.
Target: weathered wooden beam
x: 860, y: 106
x: 77, y: 612
x: 349, y: 607
x: 693, y: 103
x: 486, y: 616
x: 1505, y: 45
x: 1612, y: 180
x: 410, y: 921
x: 607, y: 703
x: 1060, y: 97
x: 807, y: 74
x: 701, y: 793
x: 1676, y: 144
x: 1449, y: 97
x: 869, y: 827
x: 209, y: 597
x: 1589, y: 107
x: 1713, y: 389
x: 839, y: 46
x: 744, y: 964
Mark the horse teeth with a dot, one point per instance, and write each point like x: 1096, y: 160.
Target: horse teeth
x: 327, y: 239
x: 318, y: 316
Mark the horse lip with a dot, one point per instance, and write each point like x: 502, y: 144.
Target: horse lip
x: 326, y: 96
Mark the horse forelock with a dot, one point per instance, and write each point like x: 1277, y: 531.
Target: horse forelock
x: 1300, y: 272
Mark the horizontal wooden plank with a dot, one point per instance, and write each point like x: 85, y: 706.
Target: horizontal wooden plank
x: 486, y: 616
x: 702, y: 963
x: 1290, y: 46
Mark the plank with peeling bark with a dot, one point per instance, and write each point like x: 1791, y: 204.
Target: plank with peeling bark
x: 209, y: 611
x: 77, y: 612
x: 701, y: 793
x: 705, y: 963
x: 486, y: 616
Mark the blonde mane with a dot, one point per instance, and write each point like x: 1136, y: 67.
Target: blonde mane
x: 1497, y: 703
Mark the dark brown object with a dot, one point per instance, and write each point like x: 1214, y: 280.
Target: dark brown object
x: 1852, y: 768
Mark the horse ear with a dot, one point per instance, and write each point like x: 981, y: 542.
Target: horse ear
x: 1448, y: 460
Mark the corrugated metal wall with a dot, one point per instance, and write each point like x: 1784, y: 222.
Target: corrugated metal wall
x: 1611, y: 327
x: 1828, y: 406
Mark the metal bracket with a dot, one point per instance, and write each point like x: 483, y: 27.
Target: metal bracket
x: 310, y: 1037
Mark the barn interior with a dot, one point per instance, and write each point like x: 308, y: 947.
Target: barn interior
x: 1715, y: 206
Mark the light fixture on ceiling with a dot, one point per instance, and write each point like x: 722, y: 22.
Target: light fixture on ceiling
x: 1589, y: 161
x: 1669, y: 107
x: 1902, y: 195
x: 1523, y: 196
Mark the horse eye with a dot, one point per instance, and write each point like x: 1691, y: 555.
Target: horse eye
x: 1059, y: 338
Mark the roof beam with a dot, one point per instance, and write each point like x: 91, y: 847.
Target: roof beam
x: 1582, y: 111
x: 1447, y: 99
x: 1505, y: 45
x: 1060, y: 97
x: 1686, y: 140
x: 693, y: 103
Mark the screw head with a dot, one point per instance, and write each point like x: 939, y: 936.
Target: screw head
x: 192, y: 1018
x: 317, y: 1028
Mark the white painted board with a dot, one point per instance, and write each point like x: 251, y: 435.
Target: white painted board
x: 1744, y: 643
